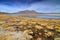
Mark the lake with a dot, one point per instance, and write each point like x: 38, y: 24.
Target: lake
x: 48, y: 17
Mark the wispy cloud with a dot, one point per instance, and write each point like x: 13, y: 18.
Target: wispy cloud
x: 46, y: 6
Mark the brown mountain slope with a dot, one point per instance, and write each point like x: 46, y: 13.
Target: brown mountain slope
x: 28, y: 12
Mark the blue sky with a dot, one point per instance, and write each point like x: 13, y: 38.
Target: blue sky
x: 44, y: 6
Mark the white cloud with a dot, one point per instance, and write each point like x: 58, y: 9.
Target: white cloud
x: 46, y: 7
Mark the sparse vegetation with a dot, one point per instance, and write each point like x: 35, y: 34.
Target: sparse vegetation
x: 32, y: 28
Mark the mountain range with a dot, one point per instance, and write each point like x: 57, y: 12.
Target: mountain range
x: 29, y: 13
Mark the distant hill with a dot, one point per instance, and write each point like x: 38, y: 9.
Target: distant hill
x: 24, y: 13
x: 28, y: 12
